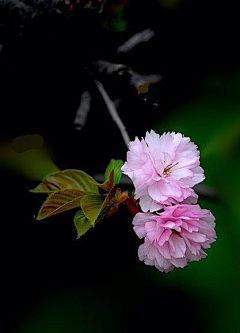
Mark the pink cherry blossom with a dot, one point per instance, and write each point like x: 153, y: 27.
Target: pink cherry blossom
x: 163, y: 170
x: 174, y: 237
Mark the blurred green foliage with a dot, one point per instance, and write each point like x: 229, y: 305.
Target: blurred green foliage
x: 68, y: 312
x: 212, y: 121
x: 119, y: 22
x: 27, y: 156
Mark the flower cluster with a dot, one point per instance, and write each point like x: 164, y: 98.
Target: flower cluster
x: 164, y: 169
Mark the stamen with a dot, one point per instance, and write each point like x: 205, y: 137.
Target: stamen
x: 168, y: 168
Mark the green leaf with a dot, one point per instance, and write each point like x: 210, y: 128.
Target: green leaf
x: 116, y: 166
x: 92, y: 205
x: 59, y: 202
x: 67, y: 179
x: 96, y: 206
x: 81, y: 223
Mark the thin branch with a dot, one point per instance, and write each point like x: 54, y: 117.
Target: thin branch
x: 102, y: 6
x: 138, y: 79
x: 113, y: 112
x: 202, y: 189
x: 94, y: 4
x: 108, y: 68
x: 83, y: 110
x: 136, y: 39
x: 104, y: 67
x: 125, y: 180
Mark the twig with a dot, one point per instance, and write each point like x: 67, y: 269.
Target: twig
x: 108, y: 68
x: 136, y: 39
x: 102, y: 6
x: 138, y: 79
x: 104, y: 67
x: 83, y: 110
x: 205, y: 190
x: 125, y: 180
x: 113, y: 112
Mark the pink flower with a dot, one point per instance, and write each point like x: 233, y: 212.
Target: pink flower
x: 163, y: 170
x: 175, y: 236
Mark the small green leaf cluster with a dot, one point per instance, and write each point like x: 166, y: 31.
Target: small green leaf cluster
x: 75, y: 189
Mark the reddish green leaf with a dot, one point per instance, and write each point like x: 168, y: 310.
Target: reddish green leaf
x: 117, y: 198
x: 59, y: 202
x: 67, y: 179
x: 95, y: 207
x: 92, y: 206
x: 108, y: 184
x: 81, y: 223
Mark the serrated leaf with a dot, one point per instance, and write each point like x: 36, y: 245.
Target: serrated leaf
x: 67, y: 179
x: 116, y: 166
x: 59, y: 202
x: 81, y: 223
x: 92, y: 206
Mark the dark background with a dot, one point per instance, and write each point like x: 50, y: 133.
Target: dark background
x: 52, y: 282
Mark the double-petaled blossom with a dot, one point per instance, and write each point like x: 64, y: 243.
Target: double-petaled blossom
x: 163, y: 170
x: 174, y: 237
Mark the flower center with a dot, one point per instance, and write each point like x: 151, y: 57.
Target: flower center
x: 167, y: 170
x: 175, y: 232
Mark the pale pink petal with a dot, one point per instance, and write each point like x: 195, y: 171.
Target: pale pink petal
x: 139, y: 222
x: 175, y: 236
x: 162, y: 262
x: 179, y: 246
x: 165, y: 167
x: 150, y: 228
x: 164, y: 237
x: 179, y: 262
x: 195, y: 236
x: 165, y: 251
x: 148, y: 204
x: 155, y: 193
x: 149, y: 249
x: 178, y: 174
